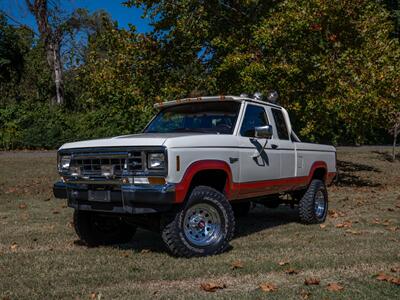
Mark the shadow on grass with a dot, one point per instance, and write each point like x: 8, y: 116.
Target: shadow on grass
x: 261, y: 218
x: 258, y: 219
x: 348, y: 178
x: 387, y: 156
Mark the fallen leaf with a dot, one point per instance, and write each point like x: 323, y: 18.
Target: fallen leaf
x: 93, y: 295
x: 144, y: 251
x: 291, y: 272
x: 334, y: 287
x: 212, y: 287
x: 268, y: 287
x: 393, y: 228
x: 376, y: 221
x: 311, y: 281
x: 386, y: 223
x: 283, y: 263
x: 322, y: 226
x: 395, y: 269
x: 333, y: 214
x: 384, y: 277
x: 345, y: 224
x: 305, y: 294
x: 22, y: 206
x: 14, y: 246
x: 46, y: 199
x: 125, y: 254
x: 55, y: 212
x: 355, y: 232
x: 237, y: 264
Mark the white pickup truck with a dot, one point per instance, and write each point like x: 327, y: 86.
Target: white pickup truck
x: 198, y: 164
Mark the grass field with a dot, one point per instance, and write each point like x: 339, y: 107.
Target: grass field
x: 41, y: 258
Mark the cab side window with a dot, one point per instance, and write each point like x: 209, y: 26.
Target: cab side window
x: 254, y: 116
x: 280, y: 124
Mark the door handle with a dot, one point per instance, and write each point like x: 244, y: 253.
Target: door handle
x: 232, y: 160
x: 274, y: 146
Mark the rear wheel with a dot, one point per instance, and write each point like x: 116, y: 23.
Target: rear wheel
x: 313, y: 206
x: 203, y: 227
x: 96, y: 229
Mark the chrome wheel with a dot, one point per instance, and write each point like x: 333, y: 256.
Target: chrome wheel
x: 202, y: 225
x: 319, y: 204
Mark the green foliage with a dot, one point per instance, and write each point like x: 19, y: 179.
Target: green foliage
x: 334, y: 64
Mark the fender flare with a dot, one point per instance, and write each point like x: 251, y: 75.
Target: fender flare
x: 182, y: 188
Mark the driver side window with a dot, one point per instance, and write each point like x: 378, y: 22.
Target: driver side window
x: 254, y: 116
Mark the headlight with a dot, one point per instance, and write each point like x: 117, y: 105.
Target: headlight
x: 155, y: 161
x: 64, y: 162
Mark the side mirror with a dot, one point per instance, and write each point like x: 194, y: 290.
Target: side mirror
x: 264, y: 132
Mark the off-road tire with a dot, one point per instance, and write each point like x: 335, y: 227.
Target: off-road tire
x: 173, y: 233
x: 307, y: 203
x: 241, y: 209
x: 88, y: 225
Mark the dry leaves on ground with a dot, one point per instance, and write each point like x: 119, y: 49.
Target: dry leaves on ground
x: 283, y: 263
x: 14, y: 246
x: 395, y: 269
x: 322, y: 226
x: 305, y: 294
x: 237, y: 264
x: 212, y: 286
x: 94, y: 296
x: 268, y: 287
x: 22, y: 206
x: 334, y: 287
x: 144, y: 251
x: 388, y: 278
x: 345, y: 224
x: 291, y: 272
x: 393, y: 228
x: 311, y: 281
x: 355, y: 232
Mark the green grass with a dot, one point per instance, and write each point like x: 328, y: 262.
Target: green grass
x: 40, y: 257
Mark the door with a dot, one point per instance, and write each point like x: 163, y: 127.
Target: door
x: 259, y: 162
x: 284, y: 145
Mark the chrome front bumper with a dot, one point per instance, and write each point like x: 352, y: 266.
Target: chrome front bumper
x: 122, y: 198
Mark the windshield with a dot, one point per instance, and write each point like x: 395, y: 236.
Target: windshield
x: 207, y: 117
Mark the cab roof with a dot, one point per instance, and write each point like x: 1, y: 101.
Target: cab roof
x: 212, y: 98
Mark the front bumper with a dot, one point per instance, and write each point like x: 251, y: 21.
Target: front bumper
x: 124, y: 198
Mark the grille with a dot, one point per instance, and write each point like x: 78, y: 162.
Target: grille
x: 91, y: 164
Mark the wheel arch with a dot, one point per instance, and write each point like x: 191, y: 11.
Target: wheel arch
x: 319, y: 170
x: 208, y: 173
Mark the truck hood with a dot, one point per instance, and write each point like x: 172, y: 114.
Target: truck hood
x: 143, y: 139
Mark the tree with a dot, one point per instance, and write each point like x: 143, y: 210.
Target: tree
x: 54, y: 26
x: 394, y: 130
x: 334, y: 63
x: 14, y: 45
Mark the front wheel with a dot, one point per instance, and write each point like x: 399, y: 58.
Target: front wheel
x: 96, y: 229
x: 203, y: 227
x: 313, y: 206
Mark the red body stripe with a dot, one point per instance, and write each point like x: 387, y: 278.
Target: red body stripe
x: 247, y: 189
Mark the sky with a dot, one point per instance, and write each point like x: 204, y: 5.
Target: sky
x: 123, y: 15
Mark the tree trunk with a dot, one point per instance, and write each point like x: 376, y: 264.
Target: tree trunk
x: 55, y: 64
x: 51, y: 38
